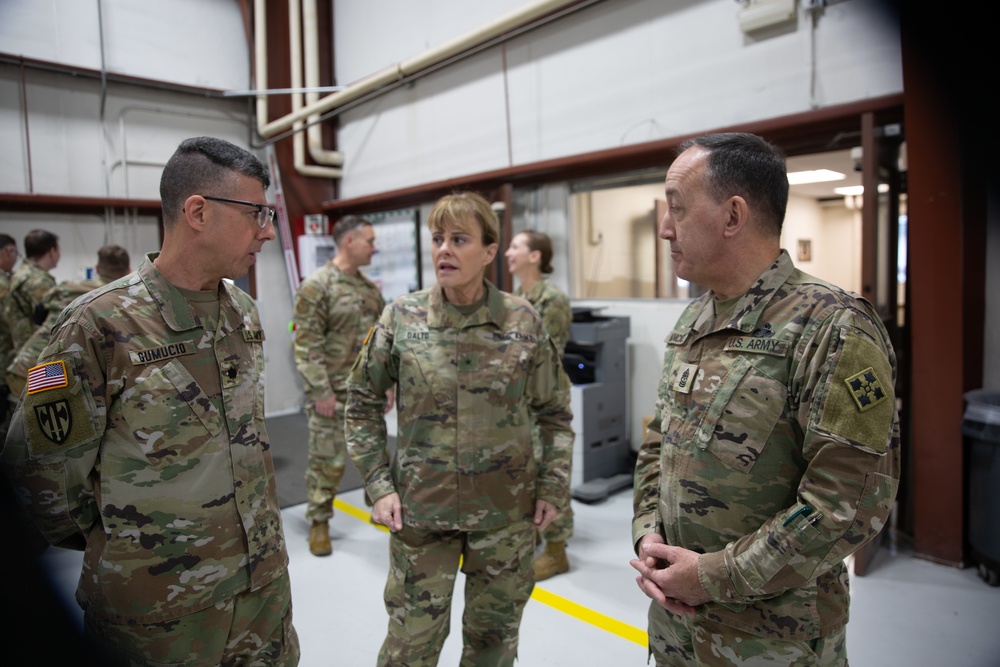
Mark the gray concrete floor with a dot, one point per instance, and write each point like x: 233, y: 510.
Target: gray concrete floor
x: 906, y: 612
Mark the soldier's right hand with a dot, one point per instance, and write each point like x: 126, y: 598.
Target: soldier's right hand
x: 389, y: 512
x: 325, y: 407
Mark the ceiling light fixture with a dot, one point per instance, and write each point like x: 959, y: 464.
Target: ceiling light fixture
x: 814, y: 176
x: 859, y: 189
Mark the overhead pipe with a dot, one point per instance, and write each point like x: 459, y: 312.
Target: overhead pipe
x: 393, y: 73
x: 314, y: 132
x: 295, y: 32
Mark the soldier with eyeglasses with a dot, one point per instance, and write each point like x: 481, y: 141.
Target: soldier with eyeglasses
x: 141, y: 437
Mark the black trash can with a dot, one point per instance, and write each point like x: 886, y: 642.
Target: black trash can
x: 981, y: 425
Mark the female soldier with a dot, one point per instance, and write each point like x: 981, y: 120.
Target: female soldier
x: 528, y: 258
x: 474, y: 368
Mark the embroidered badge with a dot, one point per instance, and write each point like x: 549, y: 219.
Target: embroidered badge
x: 47, y: 376
x: 866, y: 389
x: 685, y: 378
x: 55, y: 420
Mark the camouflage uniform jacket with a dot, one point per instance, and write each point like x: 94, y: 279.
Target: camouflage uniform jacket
x: 333, y: 313
x: 6, y: 340
x: 779, y: 453
x: 28, y: 287
x: 154, y: 452
x: 553, y: 306
x: 468, y: 387
x: 54, y: 301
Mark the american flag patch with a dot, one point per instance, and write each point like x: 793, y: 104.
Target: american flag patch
x: 47, y: 376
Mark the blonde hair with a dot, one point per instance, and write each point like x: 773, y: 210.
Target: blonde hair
x: 459, y: 210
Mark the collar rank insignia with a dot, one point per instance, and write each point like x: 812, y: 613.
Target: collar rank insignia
x: 866, y: 389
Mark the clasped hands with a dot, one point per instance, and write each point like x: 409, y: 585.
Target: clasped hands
x: 668, y: 575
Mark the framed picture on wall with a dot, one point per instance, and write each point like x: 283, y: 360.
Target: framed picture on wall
x: 805, y: 250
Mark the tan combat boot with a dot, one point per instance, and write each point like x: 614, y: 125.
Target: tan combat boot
x: 319, y: 539
x: 553, y: 561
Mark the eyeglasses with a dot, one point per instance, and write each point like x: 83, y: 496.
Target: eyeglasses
x: 265, y: 214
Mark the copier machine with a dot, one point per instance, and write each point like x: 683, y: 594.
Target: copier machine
x: 596, y: 361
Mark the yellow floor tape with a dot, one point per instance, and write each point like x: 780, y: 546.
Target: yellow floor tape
x: 557, y: 602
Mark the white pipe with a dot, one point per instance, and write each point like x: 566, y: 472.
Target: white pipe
x: 299, y: 139
x: 314, y: 132
x: 260, y: 60
x: 403, y: 68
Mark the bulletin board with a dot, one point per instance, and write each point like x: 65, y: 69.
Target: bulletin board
x: 395, y: 267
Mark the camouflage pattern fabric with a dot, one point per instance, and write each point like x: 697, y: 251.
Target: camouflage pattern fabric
x: 468, y: 388
x: 684, y: 642
x: 326, y: 462
x: 28, y: 287
x: 247, y: 630
x: 144, y: 443
x: 333, y: 313
x: 499, y: 578
x: 773, y: 451
x: 553, y: 305
x: 7, y: 398
x: 54, y: 301
x: 557, y: 316
x: 6, y: 339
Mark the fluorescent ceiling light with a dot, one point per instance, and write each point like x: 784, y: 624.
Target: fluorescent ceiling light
x: 814, y: 176
x: 859, y: 189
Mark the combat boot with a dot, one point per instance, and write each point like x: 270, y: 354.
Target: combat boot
x: 552, y: 561
x: 319, y: 539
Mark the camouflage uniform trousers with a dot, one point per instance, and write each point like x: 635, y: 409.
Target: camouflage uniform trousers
x: 561, y: 529
x: 497, y: 564
x: 682, y: 641
x: 251, y: 629
x: 327, y: 460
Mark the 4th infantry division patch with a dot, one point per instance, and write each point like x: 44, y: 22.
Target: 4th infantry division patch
x: 866, y: 389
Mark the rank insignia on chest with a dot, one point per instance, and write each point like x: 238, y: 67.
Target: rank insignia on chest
x: 685, y: 378
x: 866, y: 389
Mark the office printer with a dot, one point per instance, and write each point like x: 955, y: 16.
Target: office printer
x: 596, y: 361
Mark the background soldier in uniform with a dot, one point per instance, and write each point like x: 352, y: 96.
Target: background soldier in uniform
x: 29, y: 285
x: 529, y: 259
x: 141, y: 436
x: 335, y: 307
x: 8, y: 257
x: 112, y: 263
x: 473, y: 368
x: 773, y: 453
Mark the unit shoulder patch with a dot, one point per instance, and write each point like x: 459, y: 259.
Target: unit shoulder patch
x: 61, y: 415
x: 860, y: 403
x: 866, y: 389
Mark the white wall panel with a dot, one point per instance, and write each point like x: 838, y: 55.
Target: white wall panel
x: 64, y: 31
x: 13, y: 169
x: 370, y: 35
x: 619, y: 72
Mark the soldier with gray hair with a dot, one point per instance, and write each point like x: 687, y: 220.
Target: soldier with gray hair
x: 773, y: 453
x: 140, y: 438
x: 335, y: 307
x: 474, y: 368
